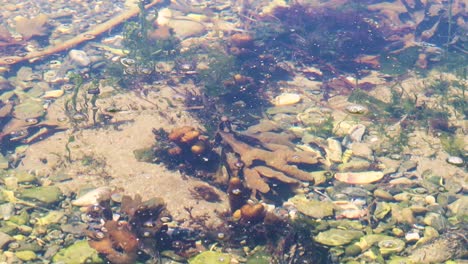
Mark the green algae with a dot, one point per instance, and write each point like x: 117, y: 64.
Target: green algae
x: 43, y: 194
x: 337, y: 237
x: 78, y: 253
x: 211, y: 257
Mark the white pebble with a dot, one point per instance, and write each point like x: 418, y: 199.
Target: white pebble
x: 412, y: 236
x: 80, y: 57
x: 454, y: 160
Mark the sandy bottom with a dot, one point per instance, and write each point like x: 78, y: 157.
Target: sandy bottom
x: 111, y: 151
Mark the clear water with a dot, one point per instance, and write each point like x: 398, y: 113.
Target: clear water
x: 233, y: 131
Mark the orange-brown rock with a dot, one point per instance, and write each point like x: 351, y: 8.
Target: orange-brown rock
x: 198, y: 148
x: 241, y: 40
x: 178, y: 132
x: 237, y: 215
x: 190, y: 137
x: 252, y: 213
x: 237, y: 193
x: 240, y: 79
x: 174, y: 151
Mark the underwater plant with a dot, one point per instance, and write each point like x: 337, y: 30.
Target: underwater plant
x: 305, y: 34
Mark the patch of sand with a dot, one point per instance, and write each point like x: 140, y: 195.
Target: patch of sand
x: 111, y: 150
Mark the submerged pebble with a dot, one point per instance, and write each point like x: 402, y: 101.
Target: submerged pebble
x: 356, y: 109
x: 80, y: 57
x: 93, y: 197
x: 359, y: 177
x: 454, y: 160
x: 286, y: 99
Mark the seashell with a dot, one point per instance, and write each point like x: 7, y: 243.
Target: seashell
x: 67, y: 87
x: 93, y: 197
x: 356, y: 109
x: 286, y: 99
x: 31, y: 121
x: 79, y: 117
x: 80, y: 57
x: 454, y: 160
x: 53, y: 94
x: 127, y: 62
x: 50, y: 76
x: 359, y: 177
x: 55, y: 64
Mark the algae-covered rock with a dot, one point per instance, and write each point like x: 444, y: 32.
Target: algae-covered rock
x: 346, y: 224
x: 28, y: 109
x: 77, y: 253
x: 459, y: 207
x: 390, y: 245
x: 312, y: 208
x: 5, y: 239
x: 382, y: 209
x: 3, y: 162
x: 24, y: 176
x: 44, y: 194
x: 259, y: 257
x: 437, y: 221
x: 211, y: 257
x: 21, y: 218
x: 387, y: 244
x: 337, y: 237
x: 26, y: 255
x: 439, y: 250
x: 320, y: 176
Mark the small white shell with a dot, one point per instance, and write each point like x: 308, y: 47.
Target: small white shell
x: 454, y: 160
x: 79, y: 57
x: 93, y: 197
x: 286, y: 99
x: 356, y: 109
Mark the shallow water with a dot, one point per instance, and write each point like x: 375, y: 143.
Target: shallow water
x: 233, y: 131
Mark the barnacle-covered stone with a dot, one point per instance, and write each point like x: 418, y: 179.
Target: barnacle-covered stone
x: 448, y: 246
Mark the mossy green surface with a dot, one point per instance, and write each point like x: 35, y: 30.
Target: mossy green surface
x: 44, y: 194
x: 77, y: 253
x: 211, y: 257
